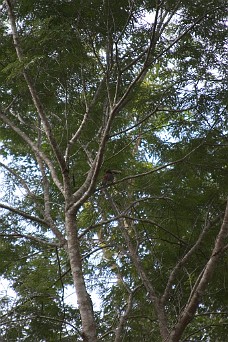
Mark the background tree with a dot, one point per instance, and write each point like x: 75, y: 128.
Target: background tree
x: 138, y: 88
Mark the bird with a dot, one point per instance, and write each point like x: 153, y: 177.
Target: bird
x: 108, y: 177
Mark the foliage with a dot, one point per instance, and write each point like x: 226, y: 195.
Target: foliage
x: 138, y: 87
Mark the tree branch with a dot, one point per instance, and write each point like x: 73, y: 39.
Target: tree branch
x: 155, y: 224
x: 185, y: 258
x: 35, y: 149
x: 76, y: 135
x: 202, y: 282
x: 33, y: 92
x: 24, y: 214
x: 30, y: 237
x: 162, y: 320
x: 158, y: 168
x: 119, y: 330
x: 47, y: 208
x: 19, y: 178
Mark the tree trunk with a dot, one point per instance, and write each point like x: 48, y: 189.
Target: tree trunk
x: 83, y: 298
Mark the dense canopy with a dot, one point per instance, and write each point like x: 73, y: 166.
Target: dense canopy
x: 114, y: 176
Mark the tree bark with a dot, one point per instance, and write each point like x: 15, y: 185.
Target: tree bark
x: 84, y: 301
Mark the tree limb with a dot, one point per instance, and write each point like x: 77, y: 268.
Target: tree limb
x: 162, y: 320
x: 186, y: 257
x: 119, y: 330
x: 201, y: 283
x: 30, y: 237
x: 158, y: 168
x: 19, y: 178
x: 33, y: 92
x: 35, y: 149
x: 24, y: 214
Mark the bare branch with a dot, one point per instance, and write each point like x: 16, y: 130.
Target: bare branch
x: 158, y: 168
x: 33, y: 91
x: 84, y: 120
x: 123, y: 215
x: 19, y: 178
x: 24, y: 214
x: 151, y: 113
x: 186, y: 257
x: 95, y: 250
x: 11, y: 103
x: 119, y: 330
x: 153, y: 38
x: 47, y: 208
x: 202, y: 282
x: 145, y: 52
x: 137, y: 124
x: 34, y: 148
x: 180, y: 37
x: 164, y: 23
x: 30, y: 237
x: 99, y: 224
x: 87, y: 188
x: 144, y: 220
x: 123, y: 225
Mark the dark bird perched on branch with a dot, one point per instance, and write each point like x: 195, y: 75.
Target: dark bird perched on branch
x: 108, y: 177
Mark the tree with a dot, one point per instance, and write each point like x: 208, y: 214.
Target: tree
x: 138, y: 88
